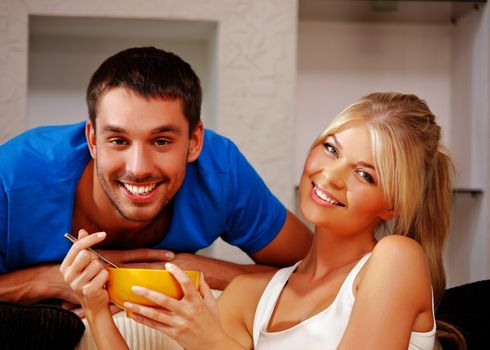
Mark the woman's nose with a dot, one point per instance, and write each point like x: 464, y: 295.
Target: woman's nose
x: 335, y: 174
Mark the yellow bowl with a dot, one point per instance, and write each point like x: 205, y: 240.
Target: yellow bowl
x: 122, y: 279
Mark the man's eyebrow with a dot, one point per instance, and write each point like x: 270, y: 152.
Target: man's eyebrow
x: 157, y: 130
x: 167, y: 128
x: 113, y: 128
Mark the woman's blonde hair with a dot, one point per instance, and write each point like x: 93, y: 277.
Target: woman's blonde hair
x: 414, y: 169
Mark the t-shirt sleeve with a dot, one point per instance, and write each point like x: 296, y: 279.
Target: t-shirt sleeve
x: 254, y: 215
x: 3, y: 227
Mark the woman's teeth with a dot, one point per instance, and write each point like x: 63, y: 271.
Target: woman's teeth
x: 325, y: 197
x: 140, y: 190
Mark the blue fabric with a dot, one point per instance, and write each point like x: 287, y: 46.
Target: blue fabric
x: 222, y: 195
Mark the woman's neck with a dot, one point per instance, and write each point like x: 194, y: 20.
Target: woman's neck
x: 331, y: 251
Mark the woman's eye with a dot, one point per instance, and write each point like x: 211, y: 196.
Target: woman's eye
x: 366, y: 176
x: 330, y: 148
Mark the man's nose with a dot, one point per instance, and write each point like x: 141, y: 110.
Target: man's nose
x: 139, y: 162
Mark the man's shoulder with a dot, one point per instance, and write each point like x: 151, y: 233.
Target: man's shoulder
x: 218, y: 152
x: 43, y: 153
x: 217, y: 143
x: 45, y: 139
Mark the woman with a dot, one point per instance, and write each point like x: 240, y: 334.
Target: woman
x: 380, y: 160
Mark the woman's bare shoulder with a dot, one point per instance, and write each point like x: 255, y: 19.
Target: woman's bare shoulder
x: 401, y: 261
x: 238, y: 302
x: 247, y: 287
x: 398, y: 249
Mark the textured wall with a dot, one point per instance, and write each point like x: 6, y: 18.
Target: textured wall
x: 256, y: 69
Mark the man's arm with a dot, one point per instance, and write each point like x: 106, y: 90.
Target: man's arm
x: 290, y: 245
x: 32, y: 284
x: 218, y: 273
x: 294, y: 238
x: 35, y: 283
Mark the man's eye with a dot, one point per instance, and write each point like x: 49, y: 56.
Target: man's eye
x: 161, y: 142
x: 118, y: 142
x: 367, y: 176
x: 330, y: 148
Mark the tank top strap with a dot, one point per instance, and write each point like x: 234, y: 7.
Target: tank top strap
x: 349, y: 281
x: 269, y: 299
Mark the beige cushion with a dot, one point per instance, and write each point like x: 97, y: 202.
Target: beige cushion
x: 136, y: 335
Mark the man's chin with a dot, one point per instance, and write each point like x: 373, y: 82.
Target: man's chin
x: 136, y: 217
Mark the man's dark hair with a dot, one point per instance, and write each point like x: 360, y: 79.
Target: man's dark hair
x: 151, y: 73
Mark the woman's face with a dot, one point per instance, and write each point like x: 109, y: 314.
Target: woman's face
x: 339, y: 188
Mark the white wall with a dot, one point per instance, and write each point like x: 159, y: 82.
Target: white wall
x: 469, y: 99
x: 447, y: 65
x: 467, y: 253
x: 339, y: 62
x: 63, y: 57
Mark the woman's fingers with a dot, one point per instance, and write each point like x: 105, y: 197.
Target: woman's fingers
x: 185, y: 282
x: 81, y: 261
x: 189, y: 291
x: 171, y: 307
x: 204, y: 289
x: 161, y: 326
x: 184, y: 320
x: 91, y: 278
x: 164, y: 315
x: 86, y: 241
x: 82, y: 233
x: 96, y: 283
x: 157, y: 297
x: 208, y: 297
x: 80, y: 267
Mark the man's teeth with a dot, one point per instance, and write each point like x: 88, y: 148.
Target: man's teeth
x: 325, y: 197
x: 139, y: 190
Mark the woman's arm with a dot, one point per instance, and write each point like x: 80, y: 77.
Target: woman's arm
x: 394, y: 296
x: 192, y: 321
x: 87, y: 276
x: 104, y: 331
x: 237, y: 305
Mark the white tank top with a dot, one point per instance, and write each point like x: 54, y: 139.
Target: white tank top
x: 323, y: 330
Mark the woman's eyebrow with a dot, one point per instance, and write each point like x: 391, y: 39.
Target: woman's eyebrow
x: 367, y: 165
x: 339, y: 145
x: 337, y: 142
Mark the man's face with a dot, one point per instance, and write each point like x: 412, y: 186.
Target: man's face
x: 140, y: 149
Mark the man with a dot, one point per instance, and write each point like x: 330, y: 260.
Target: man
x: 142, y: 169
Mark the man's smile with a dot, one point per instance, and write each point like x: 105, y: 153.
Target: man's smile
x: 140, y: 190
x: 141, y: 193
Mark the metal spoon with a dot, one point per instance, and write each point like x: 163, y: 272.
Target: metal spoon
x: 100, y: 256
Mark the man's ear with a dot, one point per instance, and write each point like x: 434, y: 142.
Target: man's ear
x: 90, y: 135
x: 195, y: 142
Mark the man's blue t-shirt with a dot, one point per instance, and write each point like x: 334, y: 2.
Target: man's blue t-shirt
x: 221, y: 195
